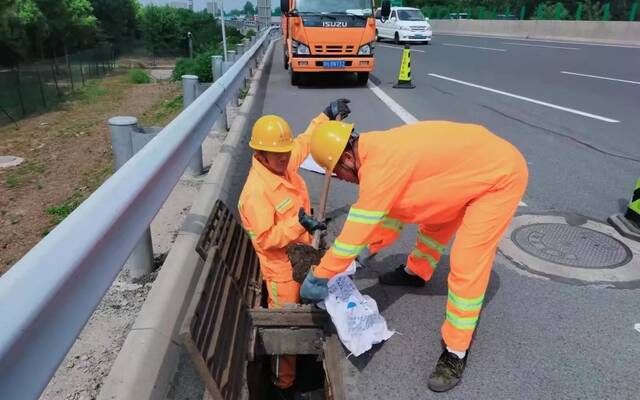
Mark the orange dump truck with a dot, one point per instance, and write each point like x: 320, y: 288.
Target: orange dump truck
x: 328, y: 36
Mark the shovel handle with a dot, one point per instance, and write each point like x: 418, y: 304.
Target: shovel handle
x: 324, y: 195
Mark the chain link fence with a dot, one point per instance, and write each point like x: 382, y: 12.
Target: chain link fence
x: 587, y: 11
x: 36, y: 87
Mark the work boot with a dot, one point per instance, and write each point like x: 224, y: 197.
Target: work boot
x: 448, y: 372
x: 398, y: 277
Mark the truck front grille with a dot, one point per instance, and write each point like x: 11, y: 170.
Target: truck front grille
x: 333, y: 49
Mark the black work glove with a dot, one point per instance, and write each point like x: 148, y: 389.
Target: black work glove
x: 338, y: 108
x: 309, y: 223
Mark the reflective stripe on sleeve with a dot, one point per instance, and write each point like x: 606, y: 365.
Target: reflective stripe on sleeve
x: 342, y: 249
x: 365, y: 216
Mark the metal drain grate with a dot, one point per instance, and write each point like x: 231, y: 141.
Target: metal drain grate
x: 572, y: 246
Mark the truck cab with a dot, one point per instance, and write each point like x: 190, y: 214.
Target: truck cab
x: 328, y: 36
x: 402, y: 25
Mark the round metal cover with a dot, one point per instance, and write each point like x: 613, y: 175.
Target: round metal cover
x: 572, y: 246
x: 10, y: 161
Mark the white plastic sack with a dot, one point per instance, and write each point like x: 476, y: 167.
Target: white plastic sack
x: 356, y: 317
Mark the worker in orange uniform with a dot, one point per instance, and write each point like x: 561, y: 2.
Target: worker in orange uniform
x: 275, y: 209
x: 449, y: 178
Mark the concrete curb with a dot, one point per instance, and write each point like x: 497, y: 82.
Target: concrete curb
x: 148, y: 359
x: 592, y: 32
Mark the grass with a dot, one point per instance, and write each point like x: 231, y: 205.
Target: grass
x: 91, y: 181
x: 23, y: 174
x: 138, y: 76
x: 93, y: 92
x: 62, y: 211
x: 162, y: 113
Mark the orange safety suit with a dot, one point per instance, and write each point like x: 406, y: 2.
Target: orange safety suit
x: 268, y: 207
x: 448, y: 178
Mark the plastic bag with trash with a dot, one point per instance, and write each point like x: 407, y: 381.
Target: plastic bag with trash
x: 355, y: 316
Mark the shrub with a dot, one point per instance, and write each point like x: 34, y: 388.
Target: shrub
x: 138, y: 76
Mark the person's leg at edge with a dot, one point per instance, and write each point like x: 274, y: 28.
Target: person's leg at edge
x: 280, y: 294
x: 431, y: 243
x: 472, y: 255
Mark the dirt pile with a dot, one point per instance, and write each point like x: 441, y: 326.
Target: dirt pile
x: 302, y: 257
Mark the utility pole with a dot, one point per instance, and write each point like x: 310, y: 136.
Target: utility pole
x: 224, y: 33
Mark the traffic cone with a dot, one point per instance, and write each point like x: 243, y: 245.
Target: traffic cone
x: 628, y: 225
x: 404, y: 77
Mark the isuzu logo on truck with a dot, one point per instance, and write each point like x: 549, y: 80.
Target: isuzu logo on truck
x: 334, y: 24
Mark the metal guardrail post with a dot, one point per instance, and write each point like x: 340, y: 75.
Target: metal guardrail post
x: 140, y: 262
x: 216, y: 62
x: 232, y: 56
x: 240, y: 49
x: 225, y: 67
x: 189, y: 94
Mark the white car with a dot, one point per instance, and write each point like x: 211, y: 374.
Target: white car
x: 403, y: 24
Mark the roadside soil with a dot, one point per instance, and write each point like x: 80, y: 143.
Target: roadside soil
x: 67, y: 156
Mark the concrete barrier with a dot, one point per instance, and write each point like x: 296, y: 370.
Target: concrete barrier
x: 614, y: 32
x: 148, y: 359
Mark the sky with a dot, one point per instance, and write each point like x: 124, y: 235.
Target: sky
x: 201, y: 4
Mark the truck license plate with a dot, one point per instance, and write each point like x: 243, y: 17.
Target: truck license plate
x: 334, y: 64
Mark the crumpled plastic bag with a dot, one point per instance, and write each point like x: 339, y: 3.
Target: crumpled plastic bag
x: 355, y: 316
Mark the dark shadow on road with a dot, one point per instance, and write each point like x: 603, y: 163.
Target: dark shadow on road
x: 329, y: 80
x: 386, y: 296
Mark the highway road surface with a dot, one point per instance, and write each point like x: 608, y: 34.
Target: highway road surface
x: 574, y: 111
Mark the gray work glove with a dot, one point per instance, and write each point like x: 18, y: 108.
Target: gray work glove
x: 338, y: 109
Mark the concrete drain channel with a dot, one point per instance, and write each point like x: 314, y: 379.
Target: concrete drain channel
x: 232, y: 337
x: 577, y: 251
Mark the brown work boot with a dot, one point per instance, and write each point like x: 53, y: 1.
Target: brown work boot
x: 398, y: 277
x: 448, y: 372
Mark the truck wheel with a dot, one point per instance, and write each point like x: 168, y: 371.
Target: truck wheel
x: 286, y: 61
x: 295, y: 78
x: 363, y: 78
x: 396, y: 38
x: 377, y: 36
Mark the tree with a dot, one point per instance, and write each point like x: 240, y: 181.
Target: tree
x: 34, y: 24
x: 249, y: 9
x: 159, y: 27
x: 277, y: 12
x: 116, y: 19
x: 71, y: 22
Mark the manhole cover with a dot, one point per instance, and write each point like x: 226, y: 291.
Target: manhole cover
x: 584, y: 253
x: 10, y: 161
x: 573, y: 246
x: 6, y: 159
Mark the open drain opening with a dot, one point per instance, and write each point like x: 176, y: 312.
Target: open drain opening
x: 231, y: 335
x: 309, y: 383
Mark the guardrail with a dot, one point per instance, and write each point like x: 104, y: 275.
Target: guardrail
x: 49, y: 295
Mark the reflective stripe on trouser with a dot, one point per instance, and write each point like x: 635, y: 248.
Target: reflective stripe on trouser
x: 472, y: 254
x: 283, y: 367
x: 431, y: 242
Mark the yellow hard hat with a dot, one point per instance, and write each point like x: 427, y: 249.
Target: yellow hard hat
x: 271, y: 133
x: 328, y: 142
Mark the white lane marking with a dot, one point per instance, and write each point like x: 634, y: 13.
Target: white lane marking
x: 523, y: 204
x: 541, y: 45
x: 600, y: 77
x: 399, y: 48
x: 400, y: 111
x: 575, y: 42
x: 530, y: 100
x: 472, y: 47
